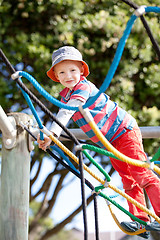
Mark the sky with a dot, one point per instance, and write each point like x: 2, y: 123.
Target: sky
x: 70, y: 198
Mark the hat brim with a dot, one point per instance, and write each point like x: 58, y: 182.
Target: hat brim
x: 51, y: 74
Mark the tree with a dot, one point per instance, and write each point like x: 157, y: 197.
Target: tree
x: 31, y: 30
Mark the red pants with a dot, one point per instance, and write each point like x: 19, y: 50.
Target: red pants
x: 136, y: 178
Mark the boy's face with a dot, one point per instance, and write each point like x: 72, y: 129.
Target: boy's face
x: 68, y: 72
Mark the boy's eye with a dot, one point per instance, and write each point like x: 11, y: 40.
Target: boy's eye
x: 61, y: 72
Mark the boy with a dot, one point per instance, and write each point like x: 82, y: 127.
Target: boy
x: 117, y: 126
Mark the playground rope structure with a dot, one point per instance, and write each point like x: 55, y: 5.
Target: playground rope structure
x: 81, y: 148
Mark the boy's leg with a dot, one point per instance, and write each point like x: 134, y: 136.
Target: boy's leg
x: 151, y: 183
x: 130, y: 144
x: 143, y: 176
x: 131, y: 188
x: 134, y: 191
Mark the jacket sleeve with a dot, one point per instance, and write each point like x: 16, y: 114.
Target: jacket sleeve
x: 64, y: 115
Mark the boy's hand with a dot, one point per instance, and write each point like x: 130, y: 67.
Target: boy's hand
x: 43, y: 144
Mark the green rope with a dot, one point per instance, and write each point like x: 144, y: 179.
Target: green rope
x: 156, y: 155
x: 97, y: 189
x: 97, y: 165
x: 99, y: 150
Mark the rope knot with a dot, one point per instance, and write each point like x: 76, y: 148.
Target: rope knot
x: 140, y: 11
x: 150, y: 163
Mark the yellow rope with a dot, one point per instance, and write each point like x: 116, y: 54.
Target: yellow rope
x: 119, y: 225
x: 70, y: 154
x: 118, y: 154
x: 135, y: 202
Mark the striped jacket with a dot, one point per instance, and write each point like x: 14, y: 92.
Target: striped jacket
x: 108, y: 116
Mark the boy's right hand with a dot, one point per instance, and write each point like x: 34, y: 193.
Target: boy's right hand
x: 43, y: 144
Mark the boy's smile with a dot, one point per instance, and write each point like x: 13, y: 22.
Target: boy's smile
x: 68, y: 72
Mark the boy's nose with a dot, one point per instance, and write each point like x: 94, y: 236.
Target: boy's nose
x: 69, y: 75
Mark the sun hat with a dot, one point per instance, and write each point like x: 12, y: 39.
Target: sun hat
x: 66, y: 53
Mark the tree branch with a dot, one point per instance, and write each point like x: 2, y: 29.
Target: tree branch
x: 44, y: 212
x: 61, y: 225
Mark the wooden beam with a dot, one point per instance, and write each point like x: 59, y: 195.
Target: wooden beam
x: 14, y: 192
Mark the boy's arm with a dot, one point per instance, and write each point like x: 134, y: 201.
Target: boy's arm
x: 64, y: 115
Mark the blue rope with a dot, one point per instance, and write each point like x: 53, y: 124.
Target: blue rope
x: 61, y: 153
x: 152, y: 9
x: 30, y: 104
x: 44, y: 93
x: 115, y: 62
x: 157, y: 162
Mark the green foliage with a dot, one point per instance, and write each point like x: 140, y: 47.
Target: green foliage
x: 44, y: 223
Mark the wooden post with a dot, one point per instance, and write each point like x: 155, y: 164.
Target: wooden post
x: 15, y: 178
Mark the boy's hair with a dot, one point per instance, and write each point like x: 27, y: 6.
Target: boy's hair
x: 66, y: 53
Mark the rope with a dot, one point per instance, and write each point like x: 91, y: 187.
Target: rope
x: 99, y: 150
x: 81, y: 177
x: 120, y: 207
x: 119, y: 155
x: 135, y: 203
x: 96, y: 216
x: 6, y: 61
x: 143, y: 208
x: 156, y: 156
x: 30, y: 104
x: 61, y: 153
x: 119, y: 225
x: 110, y: 154
x: 76, y: 173
x: 126, y: 212
x: 97, y: 165
x: 70, y: 154
x: 145, y: 24
x: 84, y: 204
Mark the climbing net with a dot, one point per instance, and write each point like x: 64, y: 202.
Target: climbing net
x: 81, y: 148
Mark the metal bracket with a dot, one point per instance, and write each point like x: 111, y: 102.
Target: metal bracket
x: 9, y: 140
